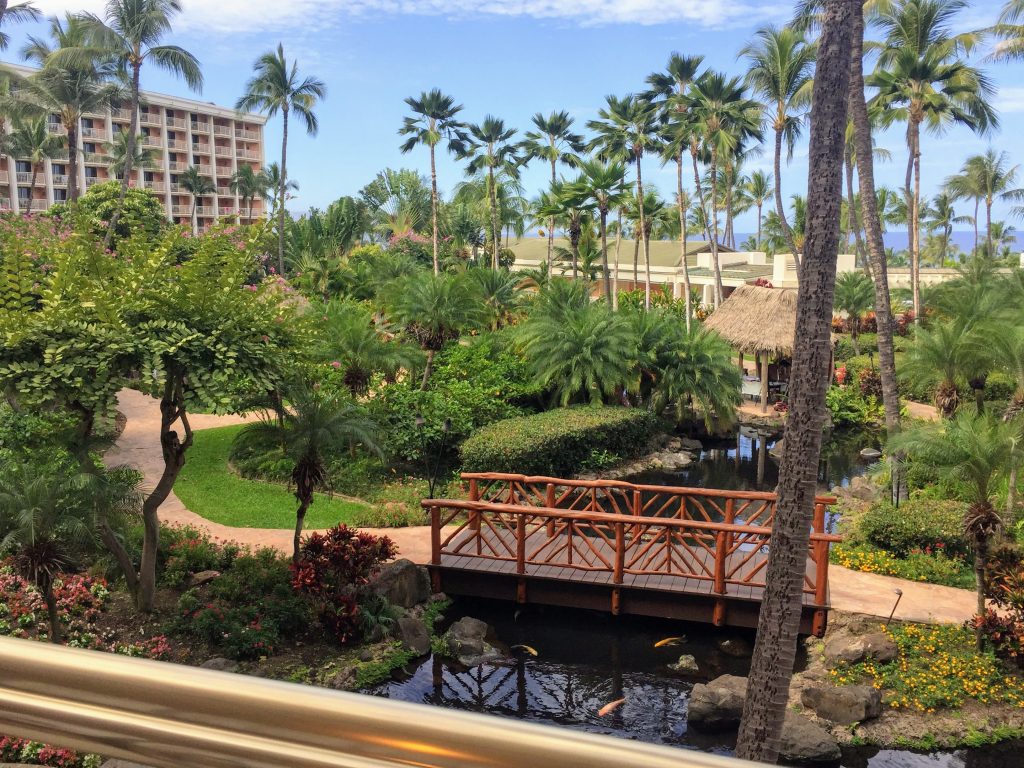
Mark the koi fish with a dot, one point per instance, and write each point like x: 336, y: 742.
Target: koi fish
x: 670, y: 641
x: 610, y: 707
x: 527, y: 648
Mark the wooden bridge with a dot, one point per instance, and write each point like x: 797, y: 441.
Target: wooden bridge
x: 685, y: 553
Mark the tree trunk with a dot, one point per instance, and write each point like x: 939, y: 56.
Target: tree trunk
x: 980, y: 558
x: 124, y: 560
x: 917, y: 223
x: 1011, y: 495
x: 52, y: 614
x: 32, y: 188
x: 249, y: 210
x: 643, y: 230
x: 714, y: 228
x: 551, y: 223
x: 618, y: 244
x: 779, y: 619
x: 700, y: 190
x: 988, y: 227
x: 636, y: 260
x: 604, y: 254
x: 977, y: 204
x: 300, y: 518
x: 492, y: 199
x: 192, y: 218
x: 433, y: 211
x: 759, y: 226
x: 427, y: 369
x: 129, y: 160
x: 72, y: 129
x: 682, y: 234
x: 780, y: 208
x: 281, y: 191
x: 851, y: 208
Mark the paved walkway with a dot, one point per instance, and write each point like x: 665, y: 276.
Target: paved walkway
x: 851, y: 591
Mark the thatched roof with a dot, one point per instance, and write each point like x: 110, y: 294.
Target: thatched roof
x: 755, y: 319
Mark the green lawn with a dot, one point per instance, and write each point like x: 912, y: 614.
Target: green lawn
x: 210, y: 489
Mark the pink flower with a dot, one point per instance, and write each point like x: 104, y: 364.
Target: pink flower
x: 335, y: 364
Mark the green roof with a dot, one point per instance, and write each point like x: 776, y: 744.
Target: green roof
x: 664, y: 253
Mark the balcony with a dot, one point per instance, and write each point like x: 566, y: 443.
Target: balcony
x: 177, y: 144
x: 175, y: 187
x: 181, y: 210
x: 176, y: 122
x: 244, y: 133
x: 154, y: 186
x: 177, y: 165
x: 35, y: 205
x: 221, y: 130
x: 94, y: 133
x: 206, y: 170
x: 150, y: 118
x: 202, y: 126
x: 205, y: 210
x: 60, y: 156
x: 152, y: 141
x: 200, y: 148
x: 226, y: 210
x: 4, y: 178
x: 5, y: 204
x: 222, y: 151
x: 93, y: 113
x: 90, y: 180
x: 248, y: 154
x: 24, y: 177
x: 56, y: 129
x: 222, y: 191
x: 94, y: 158
x: 59, y: 179
x: 224, y: 172
x: 121, y: 114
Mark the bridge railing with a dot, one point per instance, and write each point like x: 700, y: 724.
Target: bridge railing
x: 167, y: 715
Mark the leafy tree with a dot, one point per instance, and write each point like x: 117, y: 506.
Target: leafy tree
x: 31, y: 139
x: 142, y: 213
x: 276, y: 87
x: 855, y: 294
x: 316, y: 424
x: 490, y: 151
x: 434, y: 121
x: 197, y: 185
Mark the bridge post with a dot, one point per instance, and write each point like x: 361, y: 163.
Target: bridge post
x: 435, y: 548
x: 549, y: 502
x: 723, y: 543
x: 521, y: 544
x: 820, y: 572
x: 638, y: 508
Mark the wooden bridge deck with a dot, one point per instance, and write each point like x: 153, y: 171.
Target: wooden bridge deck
x: 694, y: 554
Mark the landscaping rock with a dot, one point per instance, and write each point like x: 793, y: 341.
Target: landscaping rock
x: 690, y: 444
x: 466, y: 637
x: 687, y: 664
x: 806, y: 743
x: 220, y: 664
x: 203, y: 577
x: 871, y: 454
x: 490, y: 655
x: 854, y: 649
x: 717, y: 705
x: 403, y: 583
x: 343, y: 681
x: 844, y: 705
x: 414, y: 635
x: 736, y: 647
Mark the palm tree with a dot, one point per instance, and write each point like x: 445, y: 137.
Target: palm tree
x: 941, y: 217
x: 270, y: 179
x: 490, y: 150
x: 498, y: 293
x: 1010, y: 30
x: 276, y: 87
x: 923, y: 79
x: 43, y: 524
x: 317, y: 422
x: 17, y: 12
x: 399, y: 202
x: 130, y: 33
x: 435, y: 121
x: 553, y: 141
x: 855, y: 294
x: 941, y: 356
x: 118, y: 149
x: 567, y: 205
x: 781, y: 70
x: 628, y: 128
x: 197, y: 185
x: 31, y: 139
x: 67, y: 88
x: 604, y: 184
x: 247, y: 184
x: 978, y: 450
x: 987, y: 178
x: 759, y: 188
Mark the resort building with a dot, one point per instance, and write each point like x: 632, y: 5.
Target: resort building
x: 179, y: 132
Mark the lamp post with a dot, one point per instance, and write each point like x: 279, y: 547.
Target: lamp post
x: 432, y: 467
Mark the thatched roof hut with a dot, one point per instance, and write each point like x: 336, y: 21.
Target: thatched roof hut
x: 756, y: 320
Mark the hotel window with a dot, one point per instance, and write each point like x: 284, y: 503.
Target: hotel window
x: 23, y: 166
x: 24, y: 194
x: 60, y: 195
x: 88, y: 146
x: 60, y: 169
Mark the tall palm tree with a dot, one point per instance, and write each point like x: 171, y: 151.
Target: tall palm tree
x: 553, y: 141
x: 987, y: 178
x: 855, y: 294
x: 434, y: 121
x: 628, y: 127
x: 247, y: 184
x: 197, y: 185
x: 130, y: 33
x: 490, y: 150
x: 271, y: 179
x: 1010, y: 30
x: 118, y: 149
x: 317, y: 422
x: 922, y: 78
x: 31, y: 139
x: 277, y: 87
x: 941, y: 216
x: 781, y: 70
x: 567, y: 205
x: 16, y: 12
x: 759, y: 188
x: 605, y: 185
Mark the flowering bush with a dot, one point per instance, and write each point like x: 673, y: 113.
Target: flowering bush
x: 931, y: 565
x: 187, y: 550
x: 331, y: 566
x: 80, y: 599
x: 27, y: 752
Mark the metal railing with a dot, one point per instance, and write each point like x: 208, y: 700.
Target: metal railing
x: 60, y: 179
x: 5, y: 203
x: 245, y: 133
x: 200, y: 147
x: 150, y: 118
x: 249, y: 154
x: 166, y: 715
x: 121, y: 114
x: 176, y: 122
x: 221, y: 130
x: 199, y: 126
x: 90, y: 180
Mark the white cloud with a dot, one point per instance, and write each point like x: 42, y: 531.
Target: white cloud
x: 1010, y: 99
x: 255, y: 15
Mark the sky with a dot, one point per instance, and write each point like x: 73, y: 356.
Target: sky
x: 509, y: 58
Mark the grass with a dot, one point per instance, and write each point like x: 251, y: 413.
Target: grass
x: 208, y: 487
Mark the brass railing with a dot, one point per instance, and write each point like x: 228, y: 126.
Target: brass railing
x: 167, y: 716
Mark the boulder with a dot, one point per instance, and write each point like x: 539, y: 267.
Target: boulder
x: 674, y: 444
x: 220, y: 664
x: 844, y: 705
x: 403, y: 583
x: 466, y: 637
x: 414, y: 635
x: 871, y: 454
x: 806, y: 743
x: 736, y: 647
x: 203, y: 577
x: 687, y: 664
x: 343, y: 680
x: 717, y: 705
x: 854, y: 649
x: 690, y: 444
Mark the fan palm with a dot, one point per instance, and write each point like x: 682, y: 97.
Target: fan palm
x: 553, y: 141
x: 277, y: 87
x: 16, y: 12
x: 490, y: 150
x: 855, y: 295
x: 316, y: 423
x: 988, y: 178
x: 567, y: 205
x: 781, y: 70
x: 30, y: 138
x: 118, y: 149
x: 248, y: 184
x: 197, y: 185
x: 434, y: 121
x: 605, y: 185
x: 399, y: 202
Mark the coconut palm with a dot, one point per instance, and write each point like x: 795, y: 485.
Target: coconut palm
x: 271, y: 181
x: 627, y: 127
x: 277, y: 87
x: 940, y: 216
x: 855, y: 294
x: 987, y: 178
x: 30, y: 139
x: 605, y: 185
x: 922, y: 78
x: 15, y: 13
x: 979, y: 451
x: 434, y: 121
x: 197, y: 185
x: 117, y: 150
x: 247, y: 183
x: 759, y: 188
x: 1010, y: 31
x: 781, y: 70
x: 316, y: 424
x: 490, y: 151
x: 553, y: 141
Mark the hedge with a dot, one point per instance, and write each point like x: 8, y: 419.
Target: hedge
x: 920, y: 523
x: 558, y: 442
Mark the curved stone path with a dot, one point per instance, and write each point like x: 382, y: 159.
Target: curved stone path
x: 851, y: 591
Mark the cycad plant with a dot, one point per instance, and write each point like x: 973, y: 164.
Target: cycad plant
x: 855, y: 295
x: 311, y: 425
x: 941, y: 356
x: 499, y: 293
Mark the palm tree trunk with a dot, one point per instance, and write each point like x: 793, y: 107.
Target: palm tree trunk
x: 977, y: 203
x: 759, y: 226
x: 192, y: 218
x: 780, y: 209
x: 427, y: 370
x: 714, y: 225
x: 636, y: 259
x: 643, y: 232
x: 53, y: 615
x: 433, y: 209
x: 249, y: 211
x: 551, y: 223
x: 988, y: 228
x: 779, y: 621
x: 604, y: 254
x: 980, y: 559
x: 281, y: 191
x: 908, y: 196
x: 1011, y: 495
x: 300, y: 517
x: 917, y: 222
x: 682, y: 233
x: 700, y: 191
x: 72, y: 128
x: 851, y: 210
x: 32, y: 188
x: 133, y: 127
x: 492, y: 199
x: 618, y: 244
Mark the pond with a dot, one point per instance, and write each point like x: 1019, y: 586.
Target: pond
x: 586, y: 660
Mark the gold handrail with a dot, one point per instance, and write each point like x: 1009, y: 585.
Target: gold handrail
x: 168, y: 716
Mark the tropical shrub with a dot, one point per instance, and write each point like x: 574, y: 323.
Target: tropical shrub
x: 919, y: 524
x: 142, y: 212
x: 932, y: 566
x: 558, y: 442
x: 24, y: 752
x: 186, y: 550
x: 849, y: 408
x: 80, y: 600
x: 1003, y: 624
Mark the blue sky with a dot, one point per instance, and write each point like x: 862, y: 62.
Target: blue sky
x: 510, y: 58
